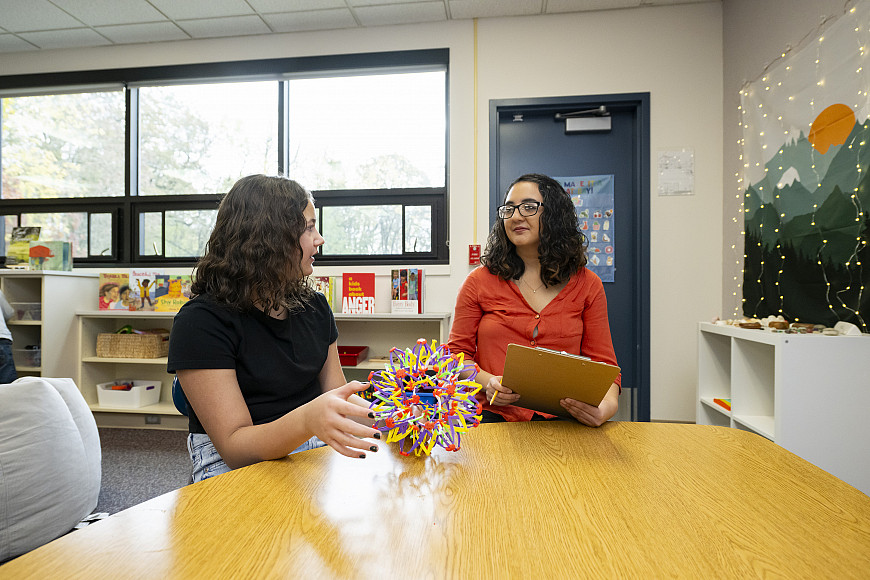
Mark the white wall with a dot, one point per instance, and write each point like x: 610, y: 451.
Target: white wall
x: 673, y: 52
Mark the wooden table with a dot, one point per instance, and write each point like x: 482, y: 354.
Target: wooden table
x: 523, y: 500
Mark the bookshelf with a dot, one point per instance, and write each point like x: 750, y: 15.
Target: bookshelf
x: 93, y: 370
x: 379, y: 332
x: 808, y: 393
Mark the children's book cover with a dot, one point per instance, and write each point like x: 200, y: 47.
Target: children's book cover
x: 50, y: 256
x: 326, y: 286
x: 407, y: 291
x: 358, y: 293
x: 18, y: 251
x: 114, y: 291
x: 143, y: 284
x: 171, y: 292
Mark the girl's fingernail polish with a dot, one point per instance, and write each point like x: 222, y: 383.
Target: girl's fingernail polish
x: 373, y: 448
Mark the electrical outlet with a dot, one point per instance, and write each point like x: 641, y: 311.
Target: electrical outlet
x: 152, y: 419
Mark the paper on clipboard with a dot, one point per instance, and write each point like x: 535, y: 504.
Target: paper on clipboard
x: 542, y: 377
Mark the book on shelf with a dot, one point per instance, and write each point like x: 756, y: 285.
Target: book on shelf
x: 358, y: 293
x: 724, y: 403
x: 143, y: 284
x: 114, y: 291
x: 18, y: 251
x: 50, y: 255
x: 172, y: 292
x: 326, y: 285
x: 406, y: 288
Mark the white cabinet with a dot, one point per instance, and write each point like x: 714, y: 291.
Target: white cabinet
x: 379, y: 332
x: 808, y: 393
x: 93, y: 370
x: 49, y: 300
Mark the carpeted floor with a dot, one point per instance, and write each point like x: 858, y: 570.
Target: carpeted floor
x: 140, y: 464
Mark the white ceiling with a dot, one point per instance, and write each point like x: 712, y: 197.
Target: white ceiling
x: 32, y: 25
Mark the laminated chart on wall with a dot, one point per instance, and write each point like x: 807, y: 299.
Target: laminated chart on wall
x: 593, y: 201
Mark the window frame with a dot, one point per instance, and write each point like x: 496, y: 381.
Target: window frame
x: 125, y: 210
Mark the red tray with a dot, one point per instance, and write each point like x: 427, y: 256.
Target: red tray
x: 350, y: 356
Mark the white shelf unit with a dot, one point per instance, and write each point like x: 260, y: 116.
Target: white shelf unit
x: 379, y: 332
x: 808, y: 393
x: 93, y: 370
x: 59, y: 294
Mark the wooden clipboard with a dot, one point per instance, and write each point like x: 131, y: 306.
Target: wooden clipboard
x: 542, y: 377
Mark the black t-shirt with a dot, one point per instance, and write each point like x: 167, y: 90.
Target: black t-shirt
x: 277, y: 362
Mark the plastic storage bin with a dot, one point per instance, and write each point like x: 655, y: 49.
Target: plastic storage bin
x: 350, y: 356
x: 27, y: 310
x: 27, y: 357
x: 142, y: 394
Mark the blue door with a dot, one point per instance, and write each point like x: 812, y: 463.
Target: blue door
x: 527, y: 137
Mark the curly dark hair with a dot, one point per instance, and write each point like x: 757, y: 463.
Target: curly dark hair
x: 562, y: 251
x: 253, y: 253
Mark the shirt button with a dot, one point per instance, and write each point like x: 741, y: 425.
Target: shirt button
x: 537, y: 316
x: 532, y: 343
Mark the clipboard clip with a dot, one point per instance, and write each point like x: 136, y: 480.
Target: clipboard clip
x: 562, y: 352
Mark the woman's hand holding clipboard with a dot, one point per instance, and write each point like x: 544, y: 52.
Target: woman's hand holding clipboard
x: 543, y: 377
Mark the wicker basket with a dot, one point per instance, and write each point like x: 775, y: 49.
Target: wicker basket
x: 152, y: 344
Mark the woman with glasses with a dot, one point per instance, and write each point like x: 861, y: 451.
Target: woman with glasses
x: 533, y: 289
x: 255, y: 349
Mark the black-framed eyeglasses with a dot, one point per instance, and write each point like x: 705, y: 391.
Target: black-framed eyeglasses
x: 527, y: 209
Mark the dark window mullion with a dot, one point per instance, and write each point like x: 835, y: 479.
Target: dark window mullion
x: 129, y: 243
x: 283, y: 127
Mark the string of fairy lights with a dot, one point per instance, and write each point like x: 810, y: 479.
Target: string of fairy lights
x: 763, y: 121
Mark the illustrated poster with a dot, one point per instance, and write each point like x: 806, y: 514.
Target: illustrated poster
x: 593, y: 201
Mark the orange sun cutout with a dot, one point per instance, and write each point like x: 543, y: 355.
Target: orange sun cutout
x: 831, y: 127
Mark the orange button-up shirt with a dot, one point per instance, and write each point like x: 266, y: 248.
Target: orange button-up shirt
x: 492, y: 313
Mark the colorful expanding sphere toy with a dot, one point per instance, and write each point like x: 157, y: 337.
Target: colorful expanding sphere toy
x: 420, y: 398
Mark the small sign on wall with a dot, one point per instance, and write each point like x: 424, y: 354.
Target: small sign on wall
x: 676, y: 171
x: 474, y: 254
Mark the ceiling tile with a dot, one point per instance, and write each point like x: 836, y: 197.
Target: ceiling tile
x: 75, y: 37
x: 11, y: 43
x: 359, y: 3
x: 190, y: 9
x: 494, y: 8
x: 319, y: 20
x: 401, y: 13
x: 555, y: 6
x: 21, y: 15
x: 231, y: 26
x: 148, y: 32
x: 105, y: 12
x: 295, y: 6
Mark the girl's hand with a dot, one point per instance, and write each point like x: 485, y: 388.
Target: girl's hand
x: 332, y: 418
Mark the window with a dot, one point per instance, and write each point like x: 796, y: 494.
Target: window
x: 202, y: 138
x: 66, y: 145
x: 368, y: 131
x: 131, y: 164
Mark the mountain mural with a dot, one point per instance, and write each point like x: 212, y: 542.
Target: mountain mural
x: 807, y: 227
